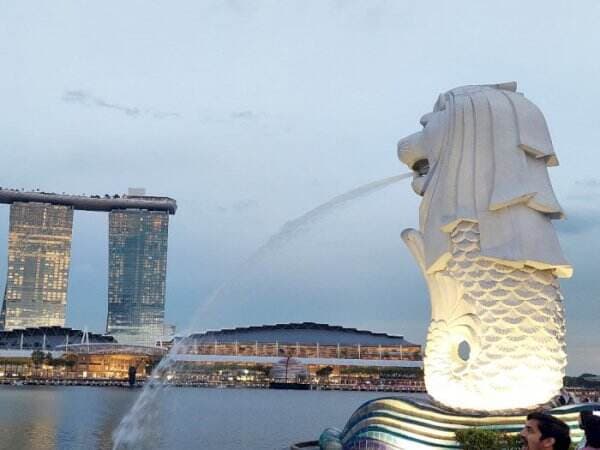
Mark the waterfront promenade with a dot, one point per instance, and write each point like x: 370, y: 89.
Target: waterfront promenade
x: 406, y: 387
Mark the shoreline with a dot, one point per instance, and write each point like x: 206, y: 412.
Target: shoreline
x: 16, y: 383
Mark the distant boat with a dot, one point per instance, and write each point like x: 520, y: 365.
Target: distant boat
x: 289, y: 385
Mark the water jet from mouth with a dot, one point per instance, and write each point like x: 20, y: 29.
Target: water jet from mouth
x: 138, y: 421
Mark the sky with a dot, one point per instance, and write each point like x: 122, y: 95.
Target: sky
x: 250, y: 114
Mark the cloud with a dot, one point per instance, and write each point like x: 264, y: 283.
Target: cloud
x: 244, y: 205
x: 579, y: 221
x: 164, y: 115
x: 239, y: 206
x: 241, y: 7
x: 592, y: 183
x: 585, y: 190
x: 243, y: 115
x: 84, y: 98
x: 226, y: 117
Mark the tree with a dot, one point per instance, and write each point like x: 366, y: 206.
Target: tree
x: 37, y: 357
x: 70, y: 360
x: 324, y: 372
x: 484, y: 439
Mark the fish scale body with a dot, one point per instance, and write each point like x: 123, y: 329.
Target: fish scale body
x: 513, y: 320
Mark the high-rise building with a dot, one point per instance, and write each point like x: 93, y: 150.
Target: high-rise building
x: 39, y: 253
x: 137, y: 271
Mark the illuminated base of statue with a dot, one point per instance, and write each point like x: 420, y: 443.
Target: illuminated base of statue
x: 401, y: 424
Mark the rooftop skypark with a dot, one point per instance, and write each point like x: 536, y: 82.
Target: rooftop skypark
x: 91, y: 203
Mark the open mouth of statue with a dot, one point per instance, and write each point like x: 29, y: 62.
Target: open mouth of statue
x: 421, y: 167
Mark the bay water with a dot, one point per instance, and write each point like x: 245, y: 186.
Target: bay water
x: 65, y: 417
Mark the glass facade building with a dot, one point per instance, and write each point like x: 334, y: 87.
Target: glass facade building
x: 39, y: 254
x: 137, y: 270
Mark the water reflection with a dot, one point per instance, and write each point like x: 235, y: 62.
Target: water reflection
x: 27, y: 421
x: 70, y: 418
x: 44, y: 418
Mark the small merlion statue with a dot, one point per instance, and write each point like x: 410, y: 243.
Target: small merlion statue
x: 488, y: 250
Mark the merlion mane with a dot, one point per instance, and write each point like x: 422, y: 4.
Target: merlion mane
x: 488, y: 249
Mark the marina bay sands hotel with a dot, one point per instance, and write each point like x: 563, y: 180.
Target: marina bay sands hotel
x: 39, y: 254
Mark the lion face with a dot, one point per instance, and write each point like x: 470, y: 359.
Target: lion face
x: 421, y: 151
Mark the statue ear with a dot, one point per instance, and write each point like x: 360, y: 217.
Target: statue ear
x: 534, y: 136
x: 522, y: 150
x: 507, y: 86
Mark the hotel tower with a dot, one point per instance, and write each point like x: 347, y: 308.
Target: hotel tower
x: 39, y: 253
x: 137, y: 275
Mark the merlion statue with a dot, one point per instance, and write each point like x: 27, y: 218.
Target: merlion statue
x: 491, y: 259
x: 488, y: 250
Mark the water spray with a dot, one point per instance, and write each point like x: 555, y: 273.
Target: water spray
x: 139, y: 418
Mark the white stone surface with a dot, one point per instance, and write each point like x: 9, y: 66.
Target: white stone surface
x: 488, y: 150
x: 488, y: 250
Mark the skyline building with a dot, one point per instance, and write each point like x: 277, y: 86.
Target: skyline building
x: 137, y: 269
x: 39, y: 255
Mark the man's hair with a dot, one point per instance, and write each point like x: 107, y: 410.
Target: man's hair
x: 551, y: 427
x: 592, y: 431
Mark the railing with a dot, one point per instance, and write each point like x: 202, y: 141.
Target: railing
x: 106, y: 348
x: 412, y: 353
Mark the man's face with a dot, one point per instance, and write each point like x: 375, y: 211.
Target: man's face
x: 532, y: 437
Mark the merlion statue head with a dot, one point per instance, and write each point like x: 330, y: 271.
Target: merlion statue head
x: 482, y: 156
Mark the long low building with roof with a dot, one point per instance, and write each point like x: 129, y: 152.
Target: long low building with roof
x: 313, y: 343
x: 313, y: 353
x: 325, y: 355
x: 304, y: 332
x: 62, y: 353
x: 48, y: 339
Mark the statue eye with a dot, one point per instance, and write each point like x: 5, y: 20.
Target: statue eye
x: 421, y: 167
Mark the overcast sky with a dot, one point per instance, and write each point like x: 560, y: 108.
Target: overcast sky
x: 249, y: 114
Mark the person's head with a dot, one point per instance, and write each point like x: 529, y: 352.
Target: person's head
x: 591, y: 427
x: 545, y: 432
